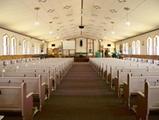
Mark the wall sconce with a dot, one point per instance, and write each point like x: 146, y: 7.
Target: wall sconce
x: 33, y: 45
x: 142, y: 43
x: 20, y: 43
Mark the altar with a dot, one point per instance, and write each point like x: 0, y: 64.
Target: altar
x: 81, y: 57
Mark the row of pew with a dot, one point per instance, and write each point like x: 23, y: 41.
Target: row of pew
x: 4, y: 63
x: 136, y: 83
x: 151, y: 61
x: 24, y: 86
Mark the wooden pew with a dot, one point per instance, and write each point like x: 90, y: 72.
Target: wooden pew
x: 134, y: 85
x: 148, y: 100
x: 57, y: 70
x: 46, y: 76
x: 34, y: 85
x: 14, y: 98
x: 122, y: 75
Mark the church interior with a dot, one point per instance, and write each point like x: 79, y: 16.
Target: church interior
x: 79, y: 60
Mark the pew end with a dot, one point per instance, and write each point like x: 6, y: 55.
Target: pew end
x: 16, y: 101
x: 148, y: 101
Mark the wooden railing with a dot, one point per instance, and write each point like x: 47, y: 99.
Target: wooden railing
x: 152, y: 57
x: 10, y: 57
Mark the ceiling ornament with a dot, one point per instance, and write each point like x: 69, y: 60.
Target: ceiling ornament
x: 107, y: 18
x: 43, y: 1
x: 67, y: 7
x: 122, y: 1
x: 113, y: 11
x: 55, y: 18
x: 97, y: 7
x: 50, y: 10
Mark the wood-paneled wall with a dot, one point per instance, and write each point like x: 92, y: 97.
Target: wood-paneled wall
x: 10, y: 57
x: 153, y: 57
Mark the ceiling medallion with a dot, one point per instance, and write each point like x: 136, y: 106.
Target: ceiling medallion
x: 55, y: 18
x: 50, y: 22
x: 122, y: 1
x: 126, y: 8
x: 113, y: 11
x: 97, y: 7
x: 43, y: 1
x: 107, y: 18
x: 112, y: 22
x: 67, y: 7
x: 50, y: 10
x: 37, y: 8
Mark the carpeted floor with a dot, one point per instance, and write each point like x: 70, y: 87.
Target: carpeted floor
x: 83, y: 96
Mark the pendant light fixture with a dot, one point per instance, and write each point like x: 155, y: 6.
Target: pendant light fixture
x: 127, y: 20
x: 81, y: 26
x: 50, y: 28
x: 36, y: 23
x: 127, y: 16
x: 112, y: 32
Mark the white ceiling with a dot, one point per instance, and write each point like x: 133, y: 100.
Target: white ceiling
x: 19, y: 15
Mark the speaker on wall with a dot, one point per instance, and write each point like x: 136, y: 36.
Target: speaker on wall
x: 53, y: 45
x: 109, y: 45
x: 81, y: 43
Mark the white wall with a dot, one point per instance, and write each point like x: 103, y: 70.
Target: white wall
x: 105, y: 43
x: 143, y: 40
x: 19, y: 40
x: 58, y: 43
x: 84, y: 46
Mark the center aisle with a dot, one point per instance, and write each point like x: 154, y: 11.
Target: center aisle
x: 83, y: 96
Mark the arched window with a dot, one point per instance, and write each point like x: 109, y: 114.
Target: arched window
x: 5, y: 45
x: 13, y: 46
x: 38, y: 48
x: 137, y: 47
x: 24, y: 47
x: 126, y: 48
x: 149, y: 46
x: 133, y: 47
x: 156, y: 45
x: 35, y: 49
x: 28, y: 47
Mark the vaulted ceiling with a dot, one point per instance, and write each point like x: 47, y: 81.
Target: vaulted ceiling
x: 60, y: 19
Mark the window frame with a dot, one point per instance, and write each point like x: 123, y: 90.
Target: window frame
x: 6, y: 44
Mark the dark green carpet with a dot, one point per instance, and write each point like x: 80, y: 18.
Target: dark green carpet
x: 83, y: 96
